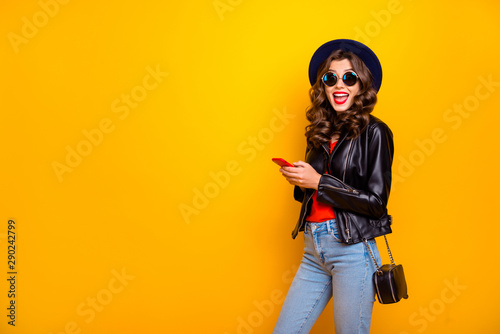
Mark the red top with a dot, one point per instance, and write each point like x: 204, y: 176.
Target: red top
x: 321, y: 212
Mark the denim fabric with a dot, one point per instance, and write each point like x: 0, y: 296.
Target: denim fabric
x: 330, y: 268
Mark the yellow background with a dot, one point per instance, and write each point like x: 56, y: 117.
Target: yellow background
x: 229, y: 94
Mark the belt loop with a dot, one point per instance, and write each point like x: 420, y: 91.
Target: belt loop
x: 328, y: 226
x: 331, y: 226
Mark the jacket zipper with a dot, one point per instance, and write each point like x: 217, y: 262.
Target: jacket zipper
x: 346, y: 189
x: 345, y: 162
x: 347, y: 227
x: 349, y: 189
x: 302, y: 220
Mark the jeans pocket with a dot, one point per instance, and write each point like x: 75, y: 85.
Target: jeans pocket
x: 334, y: 232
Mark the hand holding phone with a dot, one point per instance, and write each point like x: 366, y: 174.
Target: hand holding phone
x: 282, y: 162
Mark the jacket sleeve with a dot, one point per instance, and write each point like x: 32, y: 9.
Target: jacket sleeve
x: 298, y: 194
x: 372, y: 199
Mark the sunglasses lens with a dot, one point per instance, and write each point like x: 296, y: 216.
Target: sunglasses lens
x: 330, y: 79
x: 350, y: 78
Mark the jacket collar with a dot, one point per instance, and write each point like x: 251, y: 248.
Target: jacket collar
x: 326, y: 145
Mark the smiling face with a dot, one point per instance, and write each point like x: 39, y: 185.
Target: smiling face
x: 340, y: 95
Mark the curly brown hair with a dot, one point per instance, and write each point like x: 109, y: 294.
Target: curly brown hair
x: 325, y: 122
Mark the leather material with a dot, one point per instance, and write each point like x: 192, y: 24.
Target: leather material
x: 390, y: 283
x: 357, y: 185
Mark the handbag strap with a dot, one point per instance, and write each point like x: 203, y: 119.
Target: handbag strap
x: 389, y: 250
x: 373, y: 257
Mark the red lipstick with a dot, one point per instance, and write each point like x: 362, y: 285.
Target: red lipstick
x: 340, y: 97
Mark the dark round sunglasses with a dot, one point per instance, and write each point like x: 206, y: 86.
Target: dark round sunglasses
x: 349, y: 78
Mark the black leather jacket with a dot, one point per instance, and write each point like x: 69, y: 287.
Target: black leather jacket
x: 357, y: 184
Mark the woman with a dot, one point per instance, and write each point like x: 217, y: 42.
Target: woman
x: 344, y: 186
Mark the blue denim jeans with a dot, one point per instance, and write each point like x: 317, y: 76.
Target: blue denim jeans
x: 330, y: 268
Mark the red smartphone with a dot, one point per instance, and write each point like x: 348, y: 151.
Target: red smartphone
x: 282, y: 162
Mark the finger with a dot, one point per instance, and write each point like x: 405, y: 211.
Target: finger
x: 300, y: 163
x: 294, y: 180
x: 288, y: 170
x: 289, y: 175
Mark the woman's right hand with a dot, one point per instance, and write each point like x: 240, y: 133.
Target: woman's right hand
x: 302, y: 175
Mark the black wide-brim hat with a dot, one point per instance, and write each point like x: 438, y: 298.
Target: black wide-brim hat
x: 359, y: 49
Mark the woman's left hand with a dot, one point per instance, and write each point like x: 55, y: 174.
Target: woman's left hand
x: 302, y: 175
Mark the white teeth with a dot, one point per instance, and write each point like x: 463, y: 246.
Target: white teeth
x: 340, y: 95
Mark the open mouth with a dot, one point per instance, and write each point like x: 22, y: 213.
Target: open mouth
x: 340, y: 98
